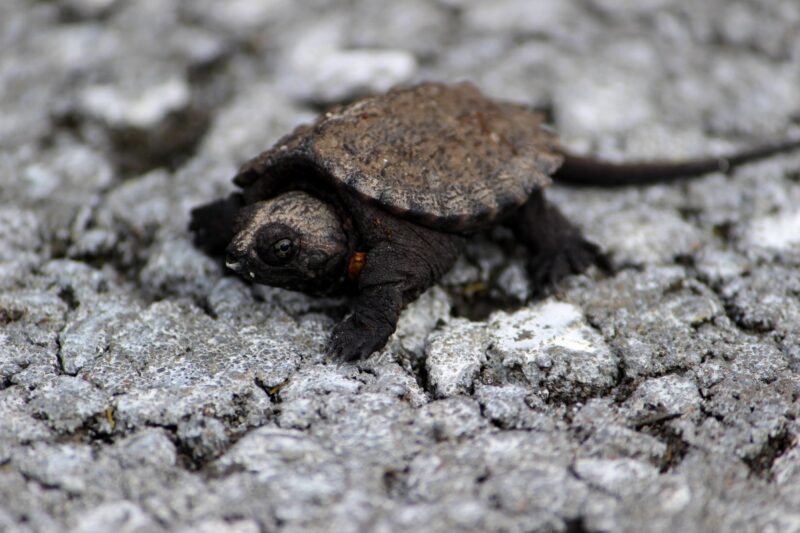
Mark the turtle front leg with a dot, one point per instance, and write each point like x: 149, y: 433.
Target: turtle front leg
x: 394, y: 274
x: 212, y: 224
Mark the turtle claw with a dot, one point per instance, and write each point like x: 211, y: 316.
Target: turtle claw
x: 548, y: 269
x: 351, y: 341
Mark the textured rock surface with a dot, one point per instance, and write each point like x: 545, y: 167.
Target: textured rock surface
x: 143, y: 390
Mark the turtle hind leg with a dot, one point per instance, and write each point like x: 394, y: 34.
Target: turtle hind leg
x: 558, y: 248
x: 213, y: 224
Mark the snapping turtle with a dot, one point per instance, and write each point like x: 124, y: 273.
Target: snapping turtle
x: 375, y: 198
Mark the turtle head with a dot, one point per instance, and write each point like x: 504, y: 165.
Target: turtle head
x: 294, y: 241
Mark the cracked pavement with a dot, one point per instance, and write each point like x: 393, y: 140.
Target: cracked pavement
x: 141, y: 389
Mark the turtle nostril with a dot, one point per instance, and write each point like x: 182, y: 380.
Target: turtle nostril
x: 232, y: 258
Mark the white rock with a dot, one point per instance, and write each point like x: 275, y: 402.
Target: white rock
x: 141, y: 109
x: 777, y: 232
x: 671, y: 394
x: 222, y: 526
x: 419, y: 318
x: 454, y: 357
x: 617, y: 476
x: 118, y: 516
x: 319, y: 69
x: 552, y: 343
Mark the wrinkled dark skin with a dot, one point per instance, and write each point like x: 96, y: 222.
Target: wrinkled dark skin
x: 400, y: 180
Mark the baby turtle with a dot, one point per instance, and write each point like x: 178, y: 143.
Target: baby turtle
x: 375, y: 199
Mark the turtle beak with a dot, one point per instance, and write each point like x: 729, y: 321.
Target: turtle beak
x: 234, y: 259
x: 237, y: 260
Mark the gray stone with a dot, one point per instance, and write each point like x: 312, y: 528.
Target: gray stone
x: 123, y: 516
x: 656, y: 237
x: 606, y: 434
x: 139, y: 109
x: 267, y: 449
x: 149, y: 446
x: 511, y: 16
x: 242, y: 18
x: 66, y: 178
x: 257, y: 116
x: 19, y: 233
x: 67, y: 403
x: 668, y: 395
x: 204, y: 437
x: 87, y: 9
x: 87, y: 335
x: 513, y: 282
x: 776, y: 232
x: 68, y: 467
x: 221, y: 526
x: 419, y: 319
x: 662, y: 334
x: 393, y: 380
x: 454, y: 357
x: 513, y: 406
x: 553, y: 348
x: 177, y: 268
x: 319, y: 68
x: 142, y: 389
x: 451, y: 419
x: 427, y: 21
x: 19, y: 425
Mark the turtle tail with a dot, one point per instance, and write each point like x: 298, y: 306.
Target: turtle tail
x: 579, y: 170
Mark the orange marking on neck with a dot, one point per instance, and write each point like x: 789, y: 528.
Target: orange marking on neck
x: 355, y: 264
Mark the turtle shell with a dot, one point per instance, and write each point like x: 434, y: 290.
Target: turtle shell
x: 442, y: 155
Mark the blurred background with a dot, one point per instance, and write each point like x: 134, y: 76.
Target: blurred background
x: 123, y: 75
x: 141, y: 390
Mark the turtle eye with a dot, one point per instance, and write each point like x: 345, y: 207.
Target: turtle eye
x: 283, y: 249
x: 276, y: 245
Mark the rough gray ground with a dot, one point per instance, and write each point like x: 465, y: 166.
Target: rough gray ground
x: 142, y: 390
